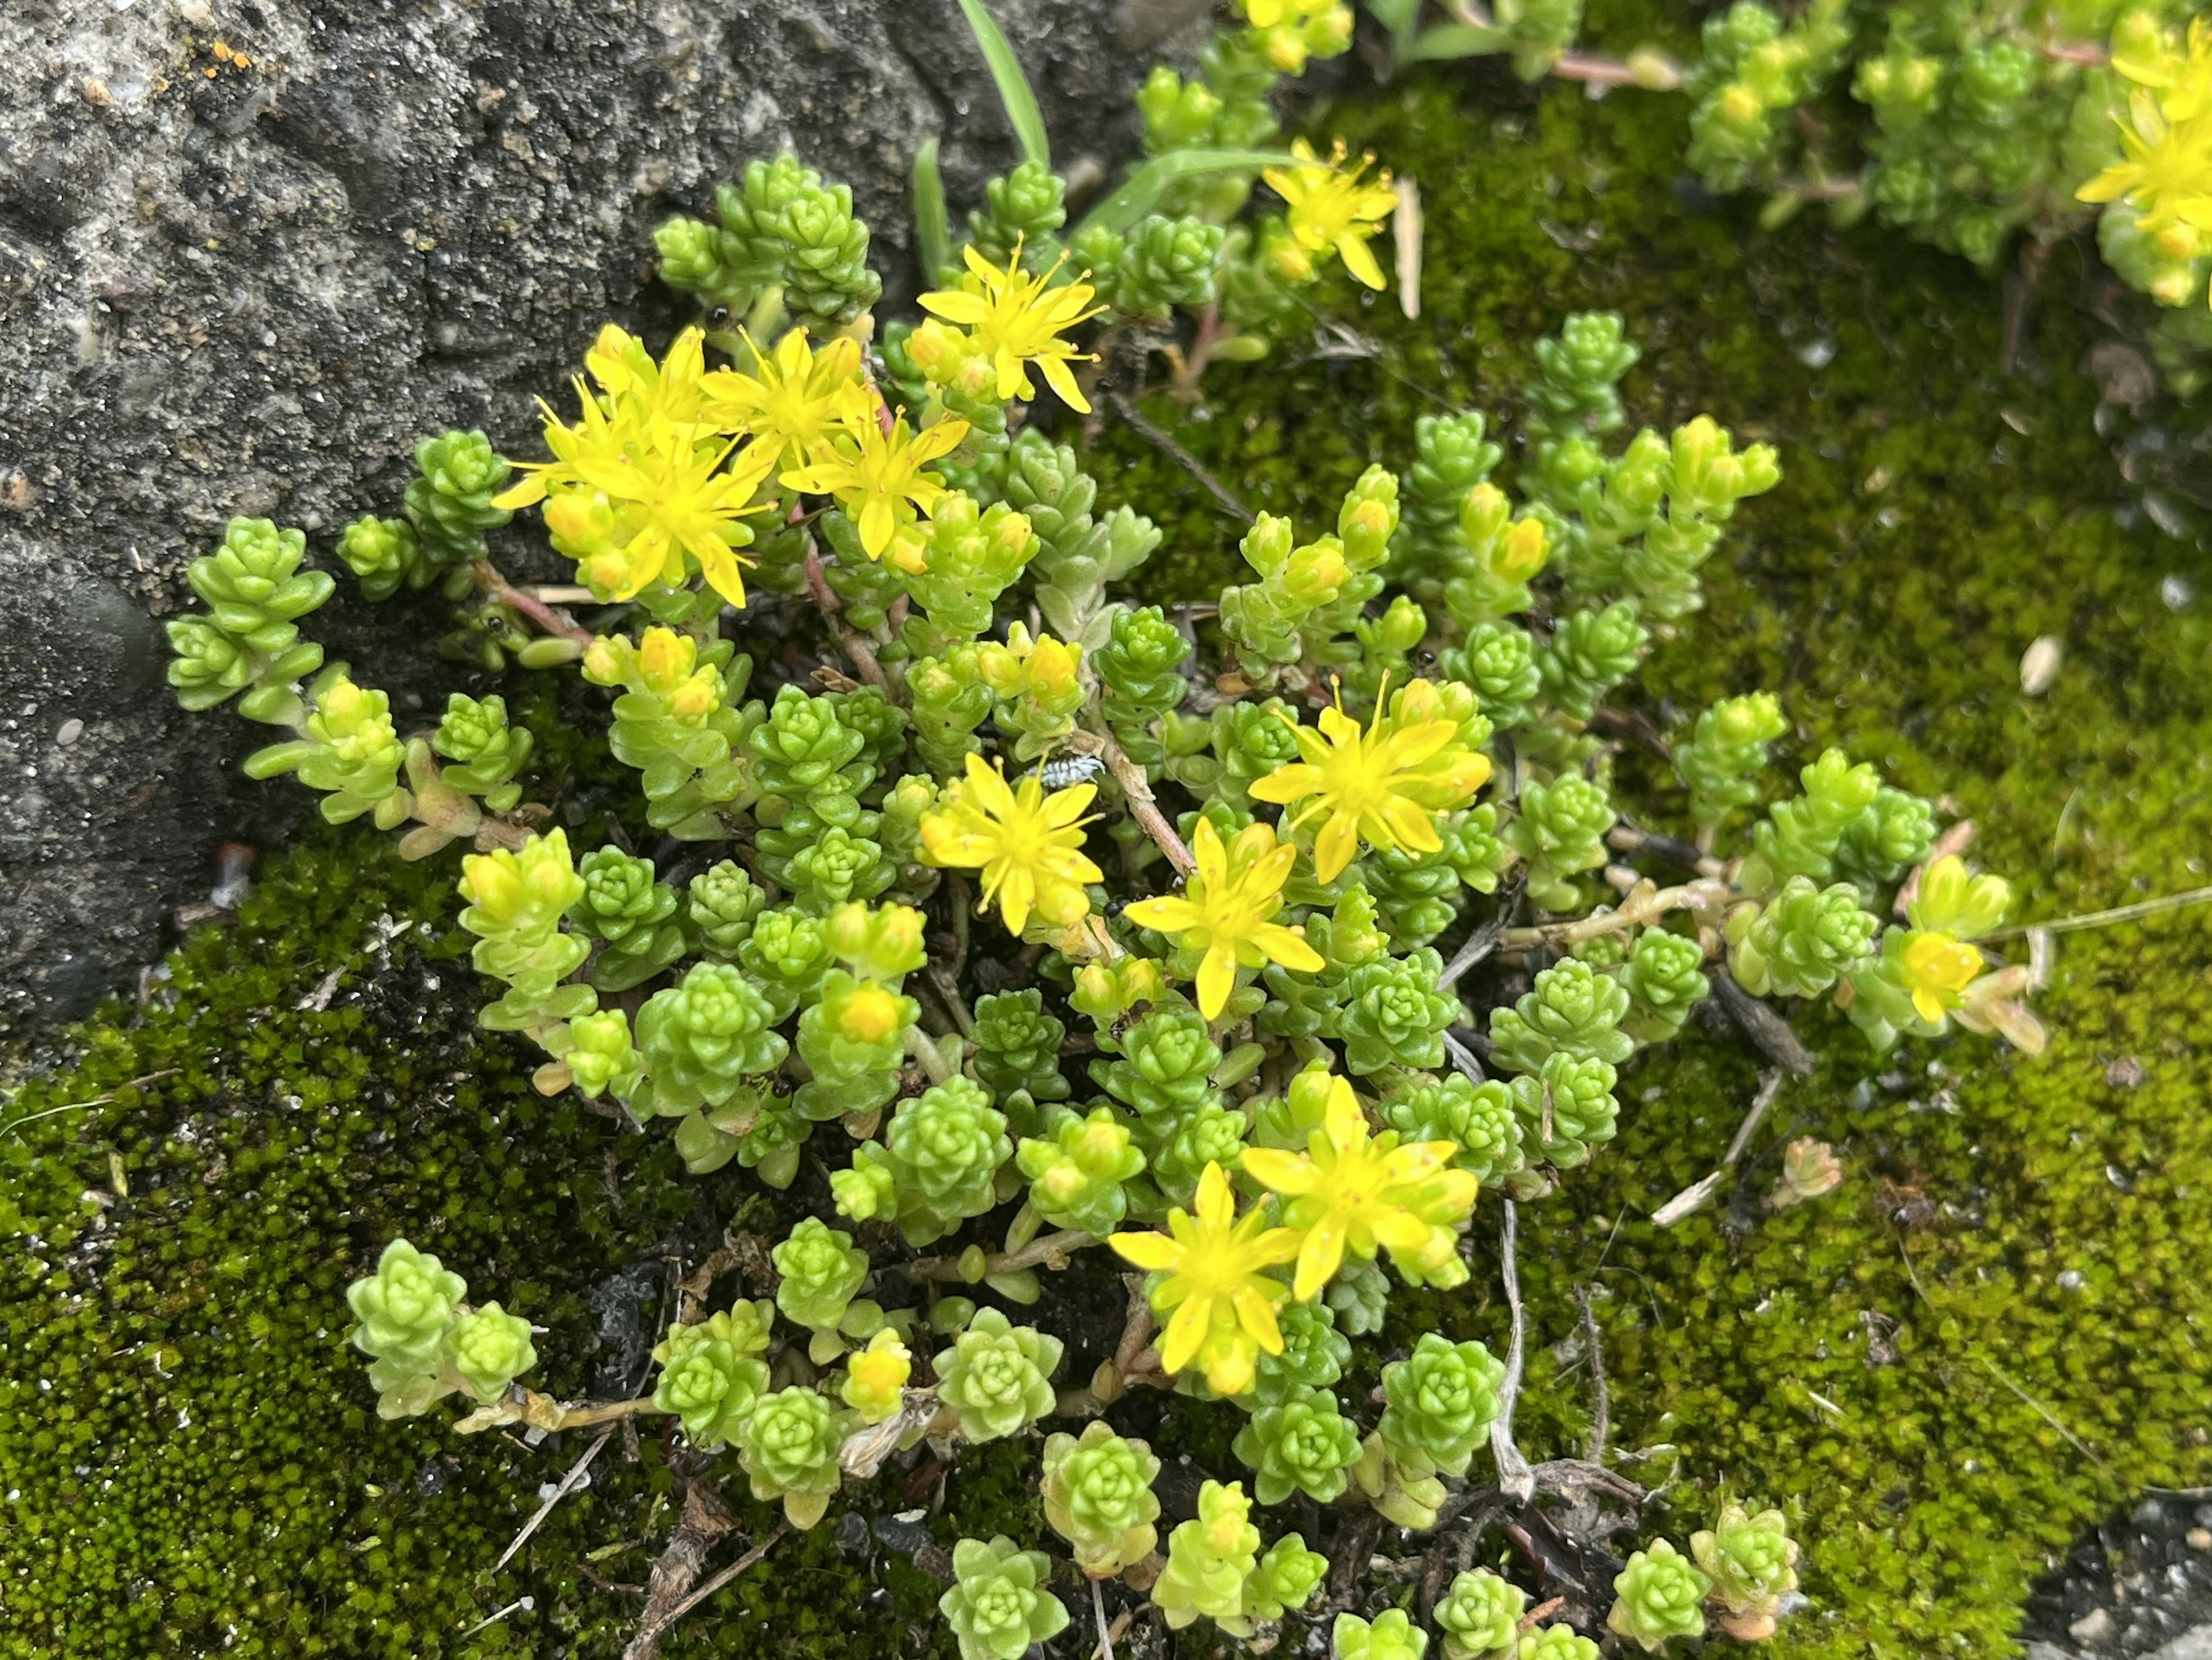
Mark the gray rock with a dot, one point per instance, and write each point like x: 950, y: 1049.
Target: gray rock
x: 249, y: 250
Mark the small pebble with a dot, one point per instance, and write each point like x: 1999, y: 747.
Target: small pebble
x: 2199, y: 1538
x: 2093, y: 1627
x: 71, y: 730
x: 2039, y: 665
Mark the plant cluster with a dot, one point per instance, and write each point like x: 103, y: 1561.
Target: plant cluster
x: 1227, y: 856
x: 1967, y: 127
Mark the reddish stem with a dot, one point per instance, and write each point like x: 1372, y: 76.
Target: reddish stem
x: 550, y: 619
x: 848, y: 638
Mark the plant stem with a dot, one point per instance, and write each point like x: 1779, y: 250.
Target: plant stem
x: 2099, y: 919
x: 1514, y: 1477
x: 923, y: 1048
x: 542, y: 1412
x: 849, y: 640
x: 1137, y: 790
x: 1049, y: 1251
x: 550, y: 619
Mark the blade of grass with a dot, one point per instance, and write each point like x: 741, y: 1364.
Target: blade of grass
x: 933, y: 238
x: 1141, y: 191
x: 1014, y: 92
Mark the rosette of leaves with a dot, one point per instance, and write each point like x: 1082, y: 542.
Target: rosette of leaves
x: 703, y: 1038
x: 1395, y: 1016
x: 1438, y: 1405
x: 1209, y: 1559
x: 998, y: 1376
x: 1659, y: 1595
x: 1480, y: 1615
x: 1314, y: 1353
x: 788, y: 1444
x: 1555, y: 1643
x: 1300, y: 1443
x: 712, y: 1373
x: 1559, y: 830
x: 998, y: 1607
x: 822, y: 1271
x: 935, y: 1166
x: 630, y: 914
x: 1392, y: 1635
x: 491, y: 1349
x: 1664, y: 977
x: 1567, y: 1108
x: 1478, y: 1119
x: 1800, y: 940
x: 1572, y: 1010
x: 1753, y: 1562
x: 1018, y: 1054
x: 1078, y: 1175
x: 483, y: 749
x: 1097, y: 1494
x: 1165, y: 1068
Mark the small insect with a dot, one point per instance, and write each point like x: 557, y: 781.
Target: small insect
x: 1062, y: 770
x: 1129, y: 1017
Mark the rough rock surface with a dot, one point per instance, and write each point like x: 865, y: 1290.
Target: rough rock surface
x: 250, y: 251
x: 2139, y: 1587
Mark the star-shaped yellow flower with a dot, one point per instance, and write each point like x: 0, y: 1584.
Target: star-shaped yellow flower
x: 2166, y: 175
x: 879, y: 474
x: 1385, y: 786
x: 1028, y: 845
x: 1225, y: 908
x: 795, y: 400
x: 1938, y: 968
x: 637, y: 482
x: 1017, y: 318
x: 1330, y: 208
x: 1221, y: 1304
x: 1350, y: 1192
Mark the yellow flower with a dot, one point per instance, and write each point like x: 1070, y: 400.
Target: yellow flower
x: 1224, y: 911
x: 2180, y: 73
x: 875, y: 1377
x: 2167, y: 176
x: 1938, y: 968
x: 796, y: 399
x: 672, y: 388
x: 1222, y: 1306
x: 1386, y: 785
x: 1017, y: 318
x: 1330, y: 208
x: 1028, y: 845
x: 636, y: 484
x: 1348, y: 1193
x: 1041, y: 667
x: 877, y: 476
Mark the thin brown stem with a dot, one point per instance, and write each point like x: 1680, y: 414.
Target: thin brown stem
x: 550, y: 619
x: 729, y: 1573
x: 1137, y: 790
x: 849, y: 640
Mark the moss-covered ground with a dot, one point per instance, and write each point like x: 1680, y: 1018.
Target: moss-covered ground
x: 1990, y: 1334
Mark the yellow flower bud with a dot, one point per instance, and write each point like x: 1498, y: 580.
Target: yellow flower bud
x: 872, y: 1015
x: 603, y: 660
x: 666, y: 657
x: 1524, y: 550
x: 697, y: 696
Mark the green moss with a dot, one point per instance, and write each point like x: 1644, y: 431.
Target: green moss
x: 188, y: 1460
